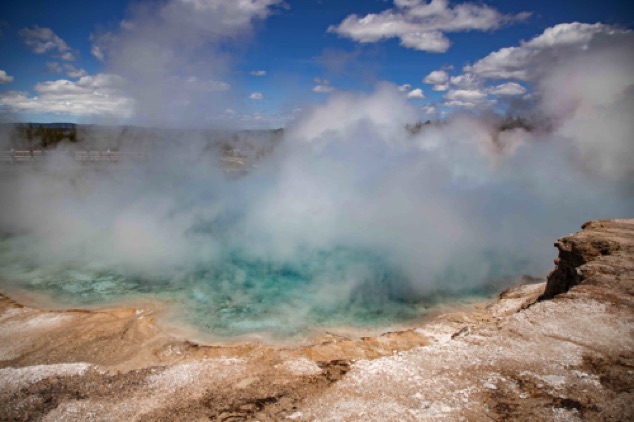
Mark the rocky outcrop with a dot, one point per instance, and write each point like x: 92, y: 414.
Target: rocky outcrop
x: 602, y: 254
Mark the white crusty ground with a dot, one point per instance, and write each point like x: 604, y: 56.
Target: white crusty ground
x: 20, y: 325
x: 12, y: 379
x: 300, y: 366
x: 449, y: 379
x: 178, y: 383
x: 193, y: 374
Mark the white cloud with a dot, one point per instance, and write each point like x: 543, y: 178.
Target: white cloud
x: 465, y: 94
x: 54, y: 67
x: 74, y: 72
x: 256, y: 96
x: 323, y: 86
x: 429, y: 110
x: 507, y: 89
x: 416, y: 94
x: 98, y: 95
x: 575, y: 33
x: 71, y: 71
x: 225, y: 17
x: 323, y: 89
x: 524, y: 62
x: 43, y: 40
x: 405, y: 88
x: 466, y: 81
x: 421, y: 25
x: 466, y: 98
x: 68, y: 56
x: 506, y: 63
x: 434, y: 42
x: 258, y: 73
x: 437, y: 77
x: 5, y: 78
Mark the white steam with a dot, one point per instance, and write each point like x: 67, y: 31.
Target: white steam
x: 173, y: 58
x: 591, y: 94
x: 452, y: 206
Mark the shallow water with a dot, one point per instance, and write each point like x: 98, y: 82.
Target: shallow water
x: 237, y: 296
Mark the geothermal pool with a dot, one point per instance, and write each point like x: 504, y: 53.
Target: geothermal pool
x: 238, y: 296
x: 369, y: 227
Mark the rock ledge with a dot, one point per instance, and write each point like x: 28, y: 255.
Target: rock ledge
x: 602, y: 254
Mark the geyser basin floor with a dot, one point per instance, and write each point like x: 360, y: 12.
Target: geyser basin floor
x: 235, y: 297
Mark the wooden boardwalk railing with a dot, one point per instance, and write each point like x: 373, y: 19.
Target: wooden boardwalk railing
x: 24, y: 156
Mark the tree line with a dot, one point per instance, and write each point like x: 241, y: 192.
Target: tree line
x: 34, y: 136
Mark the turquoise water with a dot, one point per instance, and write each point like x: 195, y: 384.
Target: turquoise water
x: 234, y: 296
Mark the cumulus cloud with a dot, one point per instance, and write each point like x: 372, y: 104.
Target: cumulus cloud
x: 525, y: 61
x: 466, y: 98
x: 507, y: 89
x: 422, y: 26
x: 98, y: 95
x: 323, y: 86
x: 74, y: 72
x: 416, y: 94
x: 258, y: 73
x: 54, y: 67
x: 405, y: 88
x: 256, y: 96
x: 440, y: 87
x: 466, y: 81
x: 569, y: 34
x: 71, y: 71
x: 429, y: 110
x: 323, y: 89
x: 43, y: 40
x: 439, y: 79
x: 436, y: 77
x: 5, y: 78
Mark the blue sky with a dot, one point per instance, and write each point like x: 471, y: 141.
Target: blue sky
x: 304, y: 61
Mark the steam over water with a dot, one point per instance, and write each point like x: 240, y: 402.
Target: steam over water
x: 296, y: 239
x: 334, y: 222
x: 237, y: 297
x: 350, y: 216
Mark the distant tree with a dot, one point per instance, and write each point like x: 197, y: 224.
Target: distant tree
x: 417, y: 127
x: 72, y: 136
x: 30, y: 136
x: 515, y: 122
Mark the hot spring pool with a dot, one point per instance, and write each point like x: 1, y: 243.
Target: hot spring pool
x: 236, y: 296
